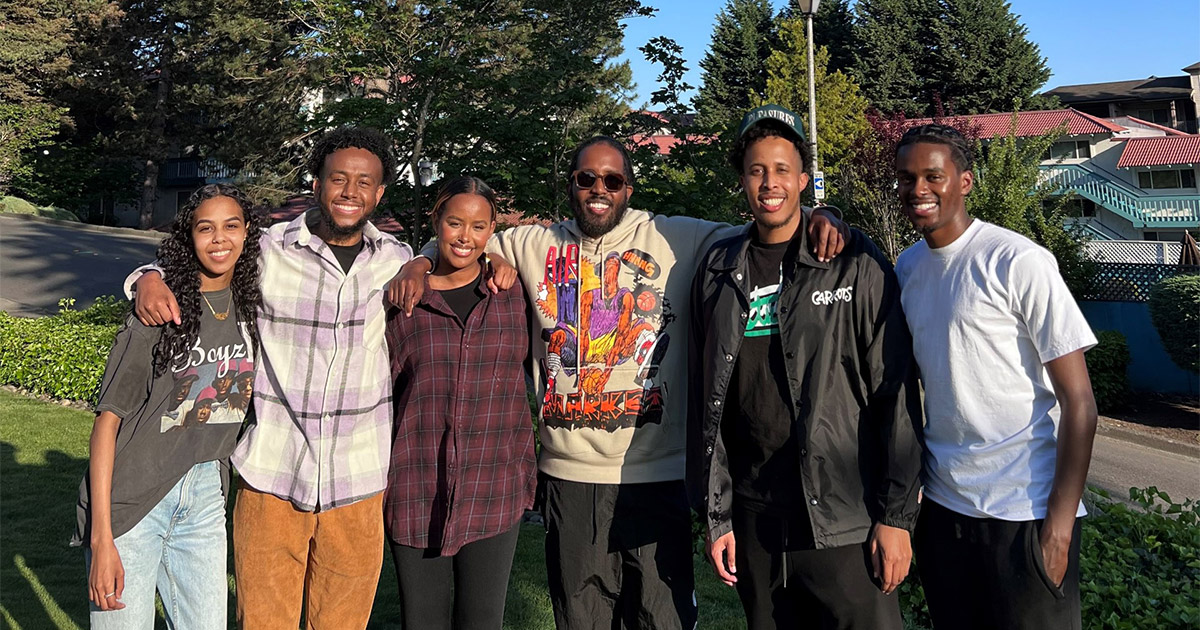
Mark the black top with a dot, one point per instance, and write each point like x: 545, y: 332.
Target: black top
x: 346, y: 254
x: 190, y: 414
x: 758, y: 430
x: 463, y: 299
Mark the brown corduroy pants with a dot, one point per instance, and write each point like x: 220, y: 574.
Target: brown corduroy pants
x: 325, y: 564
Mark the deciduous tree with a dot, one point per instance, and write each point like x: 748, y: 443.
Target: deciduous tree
x: 841, y: 108
x: 36, y: 42
x: 499, y: 88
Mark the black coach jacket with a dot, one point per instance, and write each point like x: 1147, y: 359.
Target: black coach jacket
x: 855, y: 404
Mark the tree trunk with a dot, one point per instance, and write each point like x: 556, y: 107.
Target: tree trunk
x: 149, y: 194
x: 418, y: 222
x: 155, y: 150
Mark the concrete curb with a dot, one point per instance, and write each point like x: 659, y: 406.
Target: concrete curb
x: 88, y: 227
x: 1118, y: 430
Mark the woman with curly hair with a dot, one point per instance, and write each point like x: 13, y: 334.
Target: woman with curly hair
x: 151, y: 508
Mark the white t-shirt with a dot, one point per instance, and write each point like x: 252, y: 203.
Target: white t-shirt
x: 986, y: 313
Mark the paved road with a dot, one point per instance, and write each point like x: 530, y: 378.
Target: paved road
x: 41, y: 263
x: 1118, y: 465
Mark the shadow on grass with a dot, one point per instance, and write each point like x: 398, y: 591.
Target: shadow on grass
x: 44, y: 581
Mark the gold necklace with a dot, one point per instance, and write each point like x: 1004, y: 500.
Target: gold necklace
x: 220, y: 316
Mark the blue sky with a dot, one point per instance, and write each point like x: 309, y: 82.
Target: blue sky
x: 1084, y: 41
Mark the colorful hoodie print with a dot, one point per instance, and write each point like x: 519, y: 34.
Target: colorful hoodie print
x: 611, y: 364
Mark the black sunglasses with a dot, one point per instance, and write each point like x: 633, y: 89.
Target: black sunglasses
x: 613, y: 182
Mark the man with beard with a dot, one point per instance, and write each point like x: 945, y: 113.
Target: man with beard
x: 618, y: 544
x: 314, y: 463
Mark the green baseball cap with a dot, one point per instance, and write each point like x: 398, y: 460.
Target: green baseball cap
x: 772, y: 112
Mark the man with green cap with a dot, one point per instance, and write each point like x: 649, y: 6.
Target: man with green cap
x: 804, y: 455
x: 609, y: 290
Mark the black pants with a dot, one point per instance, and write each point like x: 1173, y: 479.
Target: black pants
x: 619, y: 555
x: 475, y: 578
x: 984, y: 573
x: 784, y: 582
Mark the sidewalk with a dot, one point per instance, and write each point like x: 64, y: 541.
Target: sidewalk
x: 1124, y: 431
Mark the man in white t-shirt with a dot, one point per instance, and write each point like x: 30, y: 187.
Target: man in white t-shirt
x: 1009, y: 406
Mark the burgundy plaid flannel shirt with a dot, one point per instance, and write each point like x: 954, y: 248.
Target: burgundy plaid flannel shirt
x: 463, y: 466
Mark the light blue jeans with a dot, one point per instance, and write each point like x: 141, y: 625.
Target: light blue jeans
x: 180, y: 548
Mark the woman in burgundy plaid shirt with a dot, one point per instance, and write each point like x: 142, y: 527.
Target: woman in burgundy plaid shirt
x: 463, y: 469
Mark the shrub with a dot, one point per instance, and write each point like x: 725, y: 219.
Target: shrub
x: 1175, y: 311
x: 63, y: 355
x: 1107, y: 364
x: 1140, y: 568
x: 1139, y: 565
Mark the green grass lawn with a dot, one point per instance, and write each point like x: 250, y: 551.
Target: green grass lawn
x: 43, y: 455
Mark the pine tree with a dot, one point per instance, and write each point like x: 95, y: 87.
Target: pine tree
x: 893, y: 58
x: 199, y: 78
x: 983, y: 60
x: 967, y: 56
x: 833, y: 28
x: 733, y: 71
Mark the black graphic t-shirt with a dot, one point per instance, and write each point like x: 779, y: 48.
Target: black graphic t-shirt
x: 190, y: 414
x: 758, y: 431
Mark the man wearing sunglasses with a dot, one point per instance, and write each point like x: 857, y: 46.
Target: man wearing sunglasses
x: 610, y: 293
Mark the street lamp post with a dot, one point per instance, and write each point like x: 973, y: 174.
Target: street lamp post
x: 808, y: 8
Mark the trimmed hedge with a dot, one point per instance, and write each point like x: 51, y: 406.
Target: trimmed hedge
x: 63, y: 355
x: 1107, y: 364
x: 1175, y: 311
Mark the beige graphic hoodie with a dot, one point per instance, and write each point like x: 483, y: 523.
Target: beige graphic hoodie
x: 609, y: 341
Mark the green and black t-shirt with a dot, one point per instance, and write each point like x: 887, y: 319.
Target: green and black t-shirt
x: 758, y: 432
x: 190, y: 414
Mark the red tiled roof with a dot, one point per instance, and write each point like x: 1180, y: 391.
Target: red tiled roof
x: 664, y: 143
x: 1036, y: 123
x: 1164, y: 151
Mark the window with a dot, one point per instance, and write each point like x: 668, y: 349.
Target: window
x: 1076, y: 207
x: 1156, y: 180
x: 1156, y: 116
x: 1070, y: 149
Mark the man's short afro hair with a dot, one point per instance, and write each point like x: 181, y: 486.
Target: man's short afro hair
x: 961, y: 151
x: 364, y: 138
